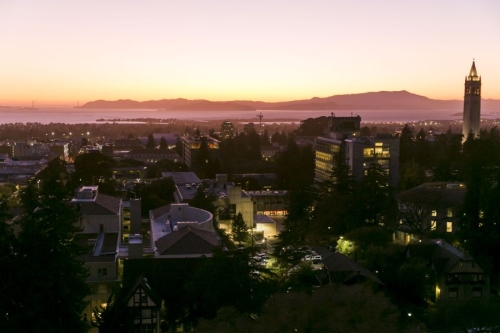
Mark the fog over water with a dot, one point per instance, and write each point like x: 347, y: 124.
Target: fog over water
x: 78, y: 116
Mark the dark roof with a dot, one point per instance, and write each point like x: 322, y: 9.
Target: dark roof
x: 142, y: 282
x: 103, y: 205
x: 345, y: 270
x: 438, y: 253
x: 187, y: 241
x: 435, y: 194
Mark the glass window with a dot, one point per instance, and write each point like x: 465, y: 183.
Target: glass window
x: 433, y: 225
x: 449, y: 212
x: 477, y: 292
x: 434, y: 213
x: 449, y: 226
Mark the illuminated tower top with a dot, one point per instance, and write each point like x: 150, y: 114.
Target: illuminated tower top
x: 472, y: 104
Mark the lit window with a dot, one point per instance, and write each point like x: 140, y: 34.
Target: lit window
x: 434, y: 213
x: 433, y: 225
x: 481, y: 214
x: 449, y: 212
x: 449, y: 226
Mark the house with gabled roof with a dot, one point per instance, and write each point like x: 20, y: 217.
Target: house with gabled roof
x: 342, y: 269
x: 458, y: 275
x: 187, y: 242
x: 144, y: 307
x: 99, y: 212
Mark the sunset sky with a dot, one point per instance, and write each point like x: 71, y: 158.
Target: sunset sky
x: 61, y: 52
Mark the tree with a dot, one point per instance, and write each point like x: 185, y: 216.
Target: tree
x: 415, y: 209
x: 151, y: 141
x: 376, y: 199
x: 239, y: 229
x: 8, y: 252
x: 202, y: 159
x: 91, y: 168
x: 158, y: 193
x: 179, y: 147
x: 115, y: 316
x: 463, y: 315
x: 51, y: 275
x: 336, y: 209
x: 331, y: 308
x: 163, y: 143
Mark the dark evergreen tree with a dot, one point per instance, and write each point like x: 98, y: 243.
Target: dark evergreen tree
x: 239, y: 229
x: 336, y: 210
x: 151, y: 141
x: 202, y: 160
x: 264, y: 138
x: 8, y: 280
x: 91, y: 168
x: 179, y: 147
x: 163, y: 143
x: 376, y: 199
x: 53, y: 278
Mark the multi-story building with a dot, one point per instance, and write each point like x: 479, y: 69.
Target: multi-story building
x: 100, y: 221
x: 428, y: 209
x: 181, y: 231
x: 359, y: 152
x: 191, y: 148
x: 472, y: 104
x: 227, y: 130
x: 153, y: 155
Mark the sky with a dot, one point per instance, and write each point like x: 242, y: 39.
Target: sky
x: 65, y: 52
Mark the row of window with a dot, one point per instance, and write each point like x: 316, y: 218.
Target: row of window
x: 449, y: 212
x: 476, y: 292
x: 449, y: 226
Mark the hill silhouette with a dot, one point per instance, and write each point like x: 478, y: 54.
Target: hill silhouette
x: 381, y: 100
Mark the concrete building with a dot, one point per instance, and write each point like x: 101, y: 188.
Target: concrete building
x: 181, y: 231
x: 191, y: 148
x: 472, y: 104
x: 359, y: 152
x: 227, y: 130
x: 186, y: 185
x: 100, y: 222
x: 153, y: 155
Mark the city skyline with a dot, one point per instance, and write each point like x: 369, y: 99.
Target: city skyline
x: 57, y: 52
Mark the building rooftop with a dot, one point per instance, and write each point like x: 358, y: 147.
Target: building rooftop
x: 187, y: 241
x: 108, y: 250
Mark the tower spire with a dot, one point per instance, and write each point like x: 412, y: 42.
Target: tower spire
x: 473, y: 72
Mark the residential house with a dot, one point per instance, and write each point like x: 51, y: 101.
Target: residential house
x: 458, y: 275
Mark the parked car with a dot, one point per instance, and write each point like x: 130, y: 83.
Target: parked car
x: 313, y: 257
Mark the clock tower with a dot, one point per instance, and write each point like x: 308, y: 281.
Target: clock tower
x: 472, y: 104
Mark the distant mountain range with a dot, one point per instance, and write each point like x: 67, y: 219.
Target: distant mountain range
x: 382, y: 100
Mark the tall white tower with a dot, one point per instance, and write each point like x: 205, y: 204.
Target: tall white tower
x: 472, y: 104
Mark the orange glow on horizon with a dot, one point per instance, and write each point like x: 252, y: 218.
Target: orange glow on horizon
x: 60, y: 52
